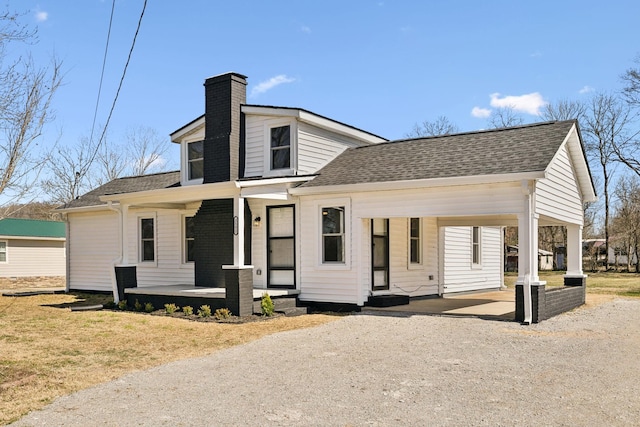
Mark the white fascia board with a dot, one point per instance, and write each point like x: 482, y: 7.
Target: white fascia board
x: 185, y: 194
x: 314, y: 119
x: 53, y: 239
x: 418, y: 183
x: 92, y: 208
x: 273, y: 181
x: 195, y: 127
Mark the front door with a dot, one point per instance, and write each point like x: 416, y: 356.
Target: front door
x: 380, y: 254
x: 281, y: 259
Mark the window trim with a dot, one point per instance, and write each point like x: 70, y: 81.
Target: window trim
x: 345, y: 264
x: 477, y: 244
x: 183, y: 239
x: 6, y: 251
x: 185, y: 164
x: 293, y: 146
x: 410, y: 264
x: 139, y: 219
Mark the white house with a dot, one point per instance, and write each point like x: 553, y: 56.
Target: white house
x: 287, y: 199
x: 32, y: 248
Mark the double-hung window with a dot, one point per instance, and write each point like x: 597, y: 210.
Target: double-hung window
x: 415, y: 239
x: 189, y: 239
x: 3, y: 251
x: 333, y: 235
x: 147, y: 240
x: 476, y: 246
x: 195, y: 160
x: 280, y: 147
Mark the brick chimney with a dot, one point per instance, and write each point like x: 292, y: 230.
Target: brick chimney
x: 224, y: 145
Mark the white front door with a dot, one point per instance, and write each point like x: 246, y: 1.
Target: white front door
x: 281, y: 259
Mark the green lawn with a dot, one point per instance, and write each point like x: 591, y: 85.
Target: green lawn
x: 608, y: 283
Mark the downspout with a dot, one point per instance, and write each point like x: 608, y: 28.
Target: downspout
x: 118, y: 260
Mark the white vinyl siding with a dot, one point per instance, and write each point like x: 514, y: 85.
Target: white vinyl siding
x: 33, y: 258
x: 558, y: 195
x: 312, y: 147
x: 93, y: 248
x: 460, y: 274
x: 168, y: 268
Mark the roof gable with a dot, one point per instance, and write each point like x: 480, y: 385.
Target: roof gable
x: 515, y: 150
x: 19, y: 227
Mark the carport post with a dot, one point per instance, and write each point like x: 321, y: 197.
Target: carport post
x: 528, y: 248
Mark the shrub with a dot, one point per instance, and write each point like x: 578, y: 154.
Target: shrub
x: 266, y: 305
x: 204, y: 311
x: 171, y: 308
x: 122, y: 305
x: 187, y: 310
x: 222, y: 313
x: 148, y: 307
x: 137, y: 305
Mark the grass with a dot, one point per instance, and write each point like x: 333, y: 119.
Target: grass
x: 600, y: 283
x: 49, y: 351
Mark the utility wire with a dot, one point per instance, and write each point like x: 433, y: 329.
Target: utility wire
x: 104, y: 64
x: 115, y: 99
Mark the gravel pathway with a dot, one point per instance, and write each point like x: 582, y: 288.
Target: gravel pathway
x: 578, y: 369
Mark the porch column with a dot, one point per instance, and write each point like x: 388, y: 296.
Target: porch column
x: 238, y: 231
x: 528, y: 249
x: 575, y: 275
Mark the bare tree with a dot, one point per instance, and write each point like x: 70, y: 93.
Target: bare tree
x: 606, y: 126
x: 146, y: 149
x: 626, y: 220
x: 65, y: 180
x: 504, y: 117
x: 26, y: 92
x: 441, y: 126
x: 564, y: 109
x: 631, y: 81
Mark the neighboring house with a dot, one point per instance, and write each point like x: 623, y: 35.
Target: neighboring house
x: 30, y: 248
x: 282, y: 198
x: 545, y: 259
x: 594, y: 250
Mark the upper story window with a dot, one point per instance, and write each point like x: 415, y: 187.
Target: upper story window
x: 3, y: 251
x: 280, y: 148
x: 195, y: 160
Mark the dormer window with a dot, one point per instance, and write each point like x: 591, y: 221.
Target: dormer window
x: 280, y: 147
x: 195, y: 160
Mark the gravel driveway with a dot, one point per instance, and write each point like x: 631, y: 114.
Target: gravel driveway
x: 372, y: 369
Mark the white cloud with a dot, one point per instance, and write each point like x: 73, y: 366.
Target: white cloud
x: 41, y: 15
x: 536, y: 54
x: 482, y: 113
x: 305, y: 29
x: 530, y: 103
x: 266, y: 85
x: 586, y: 89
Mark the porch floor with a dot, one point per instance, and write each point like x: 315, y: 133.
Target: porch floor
x: 498, y: 305
x: 200, y: 292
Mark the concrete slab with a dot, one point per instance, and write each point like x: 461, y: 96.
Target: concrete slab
x: 499, y: 305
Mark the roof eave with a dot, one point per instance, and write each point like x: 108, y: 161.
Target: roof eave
x: 418, y: 183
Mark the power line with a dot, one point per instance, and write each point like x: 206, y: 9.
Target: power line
x: 124, y: 72
x: 104, y: 64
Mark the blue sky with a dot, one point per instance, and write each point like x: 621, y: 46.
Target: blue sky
x: 378, y: 65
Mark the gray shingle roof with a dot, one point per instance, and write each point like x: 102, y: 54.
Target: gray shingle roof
x: 528, y: 148
x: 130, y: 184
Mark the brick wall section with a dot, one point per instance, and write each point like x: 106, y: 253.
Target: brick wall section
x: 224, y: 95
x: 213, y: 242
x: 546, y: 303
x: 239, y: 290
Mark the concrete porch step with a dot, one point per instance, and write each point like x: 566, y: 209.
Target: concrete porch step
x: 387, y: 300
